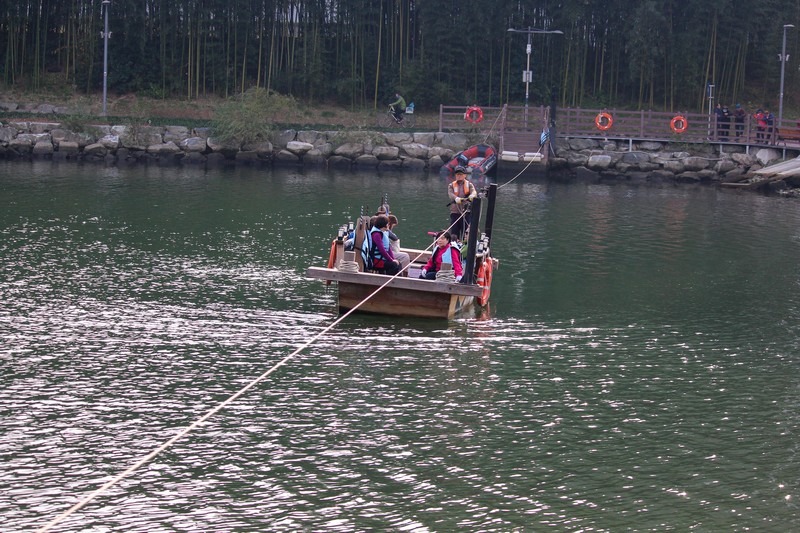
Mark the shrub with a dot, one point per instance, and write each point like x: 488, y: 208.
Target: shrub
x: 250, y: 117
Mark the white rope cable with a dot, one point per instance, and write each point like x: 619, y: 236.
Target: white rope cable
x: 489, y: 134
x: 519, y: 173
x: 138, y: 464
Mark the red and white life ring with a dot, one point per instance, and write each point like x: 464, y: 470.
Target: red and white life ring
x: 603, y: 121
x: 678, y: 124
x: 485, y: 281
x: 474, y: 114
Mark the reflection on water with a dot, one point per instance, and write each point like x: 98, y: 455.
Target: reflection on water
x: 635, y: 369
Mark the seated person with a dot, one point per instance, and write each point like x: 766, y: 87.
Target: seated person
x: 383, y: 259
x: 443, y: 252
x: 394, y: 242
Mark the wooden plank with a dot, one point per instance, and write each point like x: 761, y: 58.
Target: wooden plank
x: 402, y: 302
x: 779, y: 167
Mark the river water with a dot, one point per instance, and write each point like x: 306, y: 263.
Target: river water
x: 637, y: 368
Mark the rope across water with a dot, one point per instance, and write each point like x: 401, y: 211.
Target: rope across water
x: 182, y: 433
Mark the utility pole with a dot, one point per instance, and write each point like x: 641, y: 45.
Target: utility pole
x: 527, y: 74
x: 784, y: 58
x: 105, y: 34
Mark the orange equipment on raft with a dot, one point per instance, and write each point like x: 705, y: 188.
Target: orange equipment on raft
x: 485, y: 281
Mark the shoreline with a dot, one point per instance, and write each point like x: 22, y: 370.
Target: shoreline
x: 598, y: 160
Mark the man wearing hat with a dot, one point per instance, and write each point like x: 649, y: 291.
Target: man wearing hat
x: 461, y: 193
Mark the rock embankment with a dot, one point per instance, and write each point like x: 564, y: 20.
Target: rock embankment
x: 177, y: 144
x: 606, y: 160
x: 586, y: 159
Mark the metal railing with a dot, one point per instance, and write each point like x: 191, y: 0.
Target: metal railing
x: 501, y: 122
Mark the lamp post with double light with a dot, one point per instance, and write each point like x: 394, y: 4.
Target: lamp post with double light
x: 784, y: 58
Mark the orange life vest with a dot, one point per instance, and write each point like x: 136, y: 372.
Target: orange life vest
x: 466, y: 188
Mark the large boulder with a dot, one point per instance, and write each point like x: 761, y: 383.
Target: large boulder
x: 43, y: 147
x: 599, y: 162
x: 398, y: 139
x: 194, y: 145
x: 767, y: 155
x: 110, y: 142
x: 95, y: 149
x: 263, y: 149
x: 176, y: 134
x: 6, y: 133
x: 416, y: 150
x: 386, y: 152
x: 350, y: 150
x: 226, y: 148
x: 299, y: 147
x: 693, y: 164
x: 581, y: 144
x: 68, y: 147
x: 454, y: 141
x: 168, y: 148
x: 43, y: 127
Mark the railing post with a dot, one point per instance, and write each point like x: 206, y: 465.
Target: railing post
x: 441, y: 117
x: 503, y: 120
x: 641, y: 123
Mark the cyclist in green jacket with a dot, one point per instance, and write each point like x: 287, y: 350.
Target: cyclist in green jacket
x: 398, y: 108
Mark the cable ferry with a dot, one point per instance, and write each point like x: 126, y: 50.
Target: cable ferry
x: 365, y: 289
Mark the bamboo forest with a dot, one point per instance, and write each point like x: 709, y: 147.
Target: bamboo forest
x: 642, y: 54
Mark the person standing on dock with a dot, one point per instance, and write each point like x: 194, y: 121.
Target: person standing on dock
x: 738, y: 117
x: 461, y: 193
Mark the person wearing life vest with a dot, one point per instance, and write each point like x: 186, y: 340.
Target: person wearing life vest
x: 461, y: 193
x: 383, y: 259
x: 443, y: 252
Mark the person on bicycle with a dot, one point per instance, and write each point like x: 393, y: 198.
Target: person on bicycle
x: 398, y: 108
x: 461, y: 193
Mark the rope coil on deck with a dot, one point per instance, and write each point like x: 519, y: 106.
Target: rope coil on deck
x: 446, y: 276
x: 347, y: 266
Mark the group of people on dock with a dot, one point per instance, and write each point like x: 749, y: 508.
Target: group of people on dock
x: 384, y: 252
x: 763, y: 118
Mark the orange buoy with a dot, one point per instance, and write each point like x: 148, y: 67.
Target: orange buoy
x: 678, y: 124
x: 604, y: 121
x: 473, y: 114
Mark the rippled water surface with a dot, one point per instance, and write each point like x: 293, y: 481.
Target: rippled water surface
x: 636, y: 369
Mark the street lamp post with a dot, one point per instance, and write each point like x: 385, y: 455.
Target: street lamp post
x: 784, y: 58
x: 527, y: 75
x: 105, y: 34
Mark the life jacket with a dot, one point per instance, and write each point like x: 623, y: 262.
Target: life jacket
x: 446, y: 257
x: 466, y: 188
x: 377, y: 259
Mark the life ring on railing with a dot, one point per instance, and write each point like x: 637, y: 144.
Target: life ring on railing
x: 678, y: 124
x: 485, y: 280
x: 473, y: 114
x: 604, y: 121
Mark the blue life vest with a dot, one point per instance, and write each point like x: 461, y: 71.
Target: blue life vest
x: 447, y: 255
x: 377, y: 258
